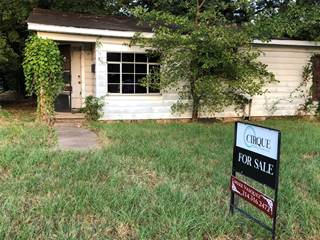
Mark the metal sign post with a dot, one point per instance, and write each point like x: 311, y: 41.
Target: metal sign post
x: 256, y: 154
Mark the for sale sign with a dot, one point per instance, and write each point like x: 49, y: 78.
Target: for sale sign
x: 256, y: 153
x: 253, y: 196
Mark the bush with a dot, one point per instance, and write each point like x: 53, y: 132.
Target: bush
x: 93, y: 108
x: 43, y: 67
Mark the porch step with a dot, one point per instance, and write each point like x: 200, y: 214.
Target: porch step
x: 69, y: 124
x: 69, y: 119
x: 69, y: 115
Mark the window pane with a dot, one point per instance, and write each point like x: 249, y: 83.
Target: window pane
x: 140, y: 57
x: 153, y: 90
x: 67, y: 77
x: 139, y: 77
x: 114, y: 68
x: 113, y: 78
x: 141, y: 68
x: 127, y: 78
x: 127, y: 68
x: 154, y: 68
x: 154, y: 80
x: 113, y: 57
x: 154, y: 59
x: 126, y: 88
x: 127, y: 57
x: 140, y: 89
x: 114, y: 88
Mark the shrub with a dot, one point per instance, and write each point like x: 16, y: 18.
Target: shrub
x: 93, y: 108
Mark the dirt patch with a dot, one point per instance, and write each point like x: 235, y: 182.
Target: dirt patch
x: 4, y: 173
x: 17, y: 111
x: 146, y: 177
x: 311, y: 155
x: 125, y: 231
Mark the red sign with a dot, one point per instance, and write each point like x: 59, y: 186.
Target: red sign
x: 253, y: 196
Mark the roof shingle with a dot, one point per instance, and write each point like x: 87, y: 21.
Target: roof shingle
x: 57, y: 18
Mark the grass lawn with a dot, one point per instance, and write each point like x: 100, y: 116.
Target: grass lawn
x: 148, y: 181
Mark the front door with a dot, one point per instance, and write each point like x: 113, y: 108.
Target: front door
x: 63, y: 101
x: 76, y: 77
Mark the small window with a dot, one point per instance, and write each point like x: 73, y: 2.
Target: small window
x: 141, y: 68
x: 141, y: 57
x: 140, y: 77
x: 114, y: 88
x: 127, y: 68
x: 127, y: 78
x: 113, y: 78
x: 127, y: 57
x: 141, y: 89
x: 127, y: 88
x: 113, y: 57
x: 113, y: 68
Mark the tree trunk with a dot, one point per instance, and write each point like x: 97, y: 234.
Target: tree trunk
x: 195, y: 113
x: 195, y: 101
x: 42, y: 106
x: 195, y: 98
x: 43, y: 111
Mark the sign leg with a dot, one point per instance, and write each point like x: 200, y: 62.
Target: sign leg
x: 275, y: 213
x: 232, y: 197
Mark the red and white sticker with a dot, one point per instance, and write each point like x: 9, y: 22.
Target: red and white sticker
x: 253, y: 196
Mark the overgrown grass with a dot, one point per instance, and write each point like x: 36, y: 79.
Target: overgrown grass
x: 149, y: 181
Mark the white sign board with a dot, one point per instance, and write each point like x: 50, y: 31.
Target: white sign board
x: 256, y: 139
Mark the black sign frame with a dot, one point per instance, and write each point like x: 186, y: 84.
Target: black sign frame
x: 273, y: 184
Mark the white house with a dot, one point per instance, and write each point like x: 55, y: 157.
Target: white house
x: 98, y: 62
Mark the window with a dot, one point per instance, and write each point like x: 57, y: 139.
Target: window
x: 127, y: 70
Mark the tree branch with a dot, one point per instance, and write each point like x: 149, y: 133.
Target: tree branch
x: 201, y: 4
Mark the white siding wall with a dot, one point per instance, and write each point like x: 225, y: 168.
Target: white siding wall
x: 89, y: 59
x: 285, y: 62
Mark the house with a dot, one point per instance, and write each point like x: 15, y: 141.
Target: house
x: 99, y: 62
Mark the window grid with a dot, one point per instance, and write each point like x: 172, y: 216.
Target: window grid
x: 134, y: 63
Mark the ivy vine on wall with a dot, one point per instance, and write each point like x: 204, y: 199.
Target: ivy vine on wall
x: 43, y: 68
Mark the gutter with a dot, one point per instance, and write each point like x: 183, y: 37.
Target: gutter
x: 85, y: 31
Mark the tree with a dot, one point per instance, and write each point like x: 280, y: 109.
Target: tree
x: 12, y: 35
x: 298, y: 19
x: 43, y: 73
x: 210, y: 61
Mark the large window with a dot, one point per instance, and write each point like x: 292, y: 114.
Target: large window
x: 127, y: 70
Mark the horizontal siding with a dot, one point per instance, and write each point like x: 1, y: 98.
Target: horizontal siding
x: 286, y: 63
x: 90, y: 79
x: 140, y: 107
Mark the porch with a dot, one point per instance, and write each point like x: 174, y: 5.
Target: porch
x: 78, y: 75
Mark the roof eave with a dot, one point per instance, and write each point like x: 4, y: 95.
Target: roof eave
x: 84, y: 31
x: 297, y: 43
x: 129, y: 34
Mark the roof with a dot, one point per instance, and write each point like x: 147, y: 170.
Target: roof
x: 77, y: 20
x: 44, y: 20
x: 288, y: 42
